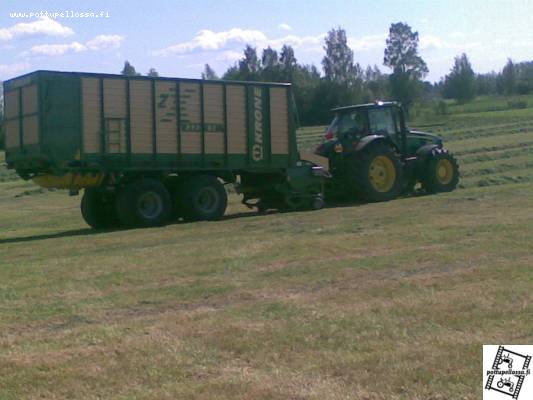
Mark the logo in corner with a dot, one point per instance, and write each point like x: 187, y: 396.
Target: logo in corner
x: 506, y: 372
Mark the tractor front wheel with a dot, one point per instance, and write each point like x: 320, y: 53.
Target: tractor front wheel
x: 441, y: 173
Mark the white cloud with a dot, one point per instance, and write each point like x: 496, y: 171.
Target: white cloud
x: 57, y: 49
x: 100, y: 42
x: 285, y: 27
x: 209, y: 40
x: 305, y: 43
x: 457, y: 35
x: 43, y: 26
x: 229, y: 55
x: 366, y: 43
x: 233, y: 40
x: 12, y: 69
x: 428, y: 42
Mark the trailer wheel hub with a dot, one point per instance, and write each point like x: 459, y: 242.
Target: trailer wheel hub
x: 208, y: 199
x: 382, y: 174
x: 150, y: 205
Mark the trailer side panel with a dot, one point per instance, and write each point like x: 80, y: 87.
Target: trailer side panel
x: 103, y: 122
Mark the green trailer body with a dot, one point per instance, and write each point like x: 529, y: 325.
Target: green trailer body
x: 149, y: 148
x: 59, y: 122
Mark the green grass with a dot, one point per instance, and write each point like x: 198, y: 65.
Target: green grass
x: 391, y: 300
x: 489, y: 104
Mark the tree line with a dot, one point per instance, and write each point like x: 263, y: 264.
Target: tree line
x: 343, y: 81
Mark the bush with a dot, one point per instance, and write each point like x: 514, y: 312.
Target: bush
x: 441, y: 108
x: 517, y: 104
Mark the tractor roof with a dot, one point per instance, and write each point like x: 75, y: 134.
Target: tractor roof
x: 377, y: 104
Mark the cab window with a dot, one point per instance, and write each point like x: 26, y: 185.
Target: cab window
x: 382, y: 121
x: 351, y: 123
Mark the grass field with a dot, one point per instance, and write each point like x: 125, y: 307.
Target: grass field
x: 373, y: 301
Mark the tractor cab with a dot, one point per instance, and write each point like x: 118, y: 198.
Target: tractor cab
x: 384, y: 119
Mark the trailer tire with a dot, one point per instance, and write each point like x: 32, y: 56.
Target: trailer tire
x: 202, y: 198
x: 143, y: 203
x: 441, y: 172
x: 375, y: 173
x: 98, y: 210
x: 317, y: 203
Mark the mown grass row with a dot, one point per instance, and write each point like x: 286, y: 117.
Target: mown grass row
x: 489, y: 156
x: 518, y: 151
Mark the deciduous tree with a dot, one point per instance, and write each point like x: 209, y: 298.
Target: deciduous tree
x: 288, y: 63
x: 338, y: 63
x: 408, y: 68
x: 250, y: 65
x: 460, y: 83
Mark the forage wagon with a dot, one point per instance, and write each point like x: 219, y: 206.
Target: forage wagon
x: 146, y: 150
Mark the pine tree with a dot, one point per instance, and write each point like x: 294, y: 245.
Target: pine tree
x: 209, y: 73
x: 152, y: 72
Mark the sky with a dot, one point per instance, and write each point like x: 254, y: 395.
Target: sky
x: 178, y: 37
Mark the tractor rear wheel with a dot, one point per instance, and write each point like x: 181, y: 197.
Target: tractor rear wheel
x: 376, y: 173
x: 98, y: 209
x: 441, y: 173
x: 143, y: 203
x: 202, y: 198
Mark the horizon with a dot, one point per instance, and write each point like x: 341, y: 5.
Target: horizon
x: 488, y: 32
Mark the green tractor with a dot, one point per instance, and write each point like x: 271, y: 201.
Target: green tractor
x: 373, y: 156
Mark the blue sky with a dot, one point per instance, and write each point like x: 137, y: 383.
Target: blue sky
x: 178, y: 37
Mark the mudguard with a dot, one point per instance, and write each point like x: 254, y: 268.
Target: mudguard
x: 422, y: 156
x: 425, y: 151
x: 366, y: 140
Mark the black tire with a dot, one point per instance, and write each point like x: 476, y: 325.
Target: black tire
x: 174, y: 188
x: 375, y: 173
x: 202, y: 198
x: 98, y: 209
x: 317, y: 203
x: 143, y: 203
x: 440, y: 173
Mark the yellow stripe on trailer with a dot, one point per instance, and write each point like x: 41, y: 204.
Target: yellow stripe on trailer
x: 68, y: 181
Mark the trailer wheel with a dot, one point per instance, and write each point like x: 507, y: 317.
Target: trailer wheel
x: 441, y: 173
x: 317, y: 203
x: 143, y: 203
x: 202, y: 198
x: 98, y: 210
x: 375, y: 173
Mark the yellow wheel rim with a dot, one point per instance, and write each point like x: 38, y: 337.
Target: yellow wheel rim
x: 444, y: 171
x: 382, y: 174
